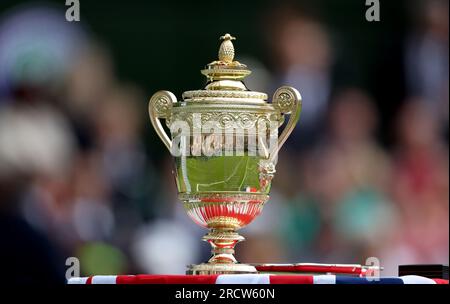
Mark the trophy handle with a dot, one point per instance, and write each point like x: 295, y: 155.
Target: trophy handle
x: 288, y: 101
x: 160, y: 107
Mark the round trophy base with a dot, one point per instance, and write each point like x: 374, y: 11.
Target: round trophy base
x: 207, y: 269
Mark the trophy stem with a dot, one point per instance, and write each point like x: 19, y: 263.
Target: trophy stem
x: 222, y: 261
x: 222, y: 242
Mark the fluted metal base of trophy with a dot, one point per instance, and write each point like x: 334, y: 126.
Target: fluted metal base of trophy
x: 222, y: 260
x: 207, y: 269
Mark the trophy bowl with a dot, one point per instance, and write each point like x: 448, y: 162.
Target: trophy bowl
x: 224, y: 140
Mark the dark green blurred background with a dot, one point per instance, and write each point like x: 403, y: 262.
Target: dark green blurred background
x: 163, y: 44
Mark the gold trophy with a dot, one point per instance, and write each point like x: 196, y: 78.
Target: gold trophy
x: 225, y: 142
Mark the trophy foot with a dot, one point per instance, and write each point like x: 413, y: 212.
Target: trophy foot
x: 222, y: 260
x: 208, y: 269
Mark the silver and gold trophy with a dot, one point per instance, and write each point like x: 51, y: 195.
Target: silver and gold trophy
x: 224, y: 139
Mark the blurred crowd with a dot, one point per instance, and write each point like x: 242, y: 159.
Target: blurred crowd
x: 77, y: 176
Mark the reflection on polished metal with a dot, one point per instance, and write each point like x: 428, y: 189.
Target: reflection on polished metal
x: 224, y: 192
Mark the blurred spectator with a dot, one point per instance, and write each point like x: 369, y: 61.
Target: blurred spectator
x: 35, y: 145
x: 420, y: 186
x: 345, y: 178
x: 34, y: 58
x: 301, y: 48
x: 88, y: 82
x: 426, y: 58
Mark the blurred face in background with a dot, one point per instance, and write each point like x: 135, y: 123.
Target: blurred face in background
x: 352, y: 117
x: 302, y: 42
x: 90, y: 78
x: 118, y: 120
x: 417, y: 127
x: 436, y: 18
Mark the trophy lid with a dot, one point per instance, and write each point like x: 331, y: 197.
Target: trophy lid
x: 225, y: 78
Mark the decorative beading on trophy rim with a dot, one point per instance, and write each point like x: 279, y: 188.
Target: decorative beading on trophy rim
x: 224, y: 94
x: 226, y: 196
x: 218, y: 72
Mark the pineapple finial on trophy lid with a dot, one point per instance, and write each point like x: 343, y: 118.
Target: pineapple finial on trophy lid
x: 226, y: 50
x: 226, y: 68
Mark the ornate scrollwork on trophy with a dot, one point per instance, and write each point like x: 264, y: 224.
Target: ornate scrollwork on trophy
x: 225, y: 120
x: 247, y: 120
x: 162, y: 103
x: 266, y: 173
x: 285, y: 99
x: 160, y: 106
